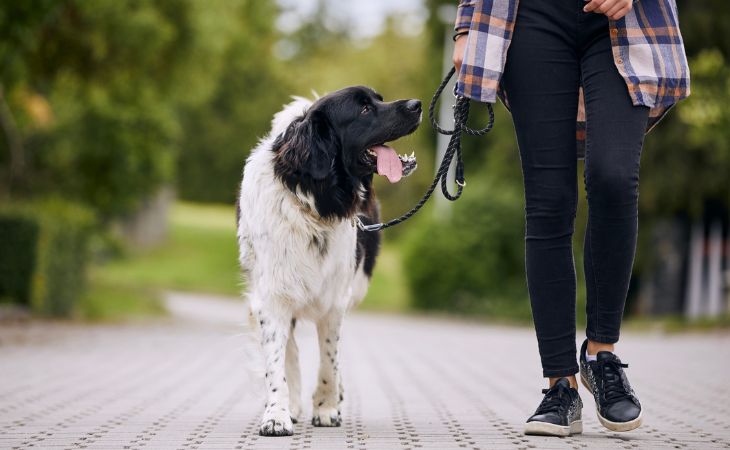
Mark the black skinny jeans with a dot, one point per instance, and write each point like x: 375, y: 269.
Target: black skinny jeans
x: 555, y: 48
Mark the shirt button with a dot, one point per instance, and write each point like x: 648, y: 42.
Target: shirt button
x: 614, y: 32
x: 619, y: 61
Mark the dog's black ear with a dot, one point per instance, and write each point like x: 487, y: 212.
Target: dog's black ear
x: 309, y: 145
x: 324, y: 146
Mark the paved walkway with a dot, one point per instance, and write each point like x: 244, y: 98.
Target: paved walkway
x: 410, y: 383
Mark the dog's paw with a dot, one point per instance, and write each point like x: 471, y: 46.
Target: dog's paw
x: 276, y: 424
x: 326, y: 417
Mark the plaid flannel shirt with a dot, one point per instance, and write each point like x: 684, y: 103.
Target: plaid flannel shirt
x: 647, y: 49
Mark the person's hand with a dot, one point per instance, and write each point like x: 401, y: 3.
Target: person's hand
x: 459, y: 48
x: 613, y: 9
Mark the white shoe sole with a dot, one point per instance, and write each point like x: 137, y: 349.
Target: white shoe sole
x: 614, y: 426
x: 550, y: 429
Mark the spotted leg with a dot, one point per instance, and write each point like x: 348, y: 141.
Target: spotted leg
x: 275, y: 326
x: 293, y: 375
x: 342, y: 390
x: 326, y: 398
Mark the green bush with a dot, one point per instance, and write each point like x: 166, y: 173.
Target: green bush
x: 471, y: 261
x: 17, y: 257
x: 43, y: 255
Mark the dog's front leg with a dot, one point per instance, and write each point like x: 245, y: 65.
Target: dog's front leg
x: 293, y: 375
x: 275, y: 327
x: 326, y: 411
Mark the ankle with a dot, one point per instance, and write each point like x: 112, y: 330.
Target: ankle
x: 571, y: 379
x: 595, y: 347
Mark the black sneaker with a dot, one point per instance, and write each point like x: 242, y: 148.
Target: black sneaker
x: 558, y: 413
x: 617, y: 406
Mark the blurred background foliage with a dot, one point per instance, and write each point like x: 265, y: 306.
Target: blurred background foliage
x: 105, y: 103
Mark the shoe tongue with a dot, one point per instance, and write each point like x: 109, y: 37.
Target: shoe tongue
x: 605, y: 355
x: 389, y: 165
x: 563, y: 382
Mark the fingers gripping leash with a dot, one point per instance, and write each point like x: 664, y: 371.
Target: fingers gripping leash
x: 461, y: 114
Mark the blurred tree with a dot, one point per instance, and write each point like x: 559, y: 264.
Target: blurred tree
x: 98, y: 90
x: 704, y: 25
x: 687, y: 158
x: 217, y: 135
x: 17, y: 39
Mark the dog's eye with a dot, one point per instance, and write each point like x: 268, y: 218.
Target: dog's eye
x: 365, y: 109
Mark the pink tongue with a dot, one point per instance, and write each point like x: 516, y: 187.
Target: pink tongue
x: 389, y: 164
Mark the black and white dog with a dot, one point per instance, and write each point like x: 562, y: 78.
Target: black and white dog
x: 302, y: 255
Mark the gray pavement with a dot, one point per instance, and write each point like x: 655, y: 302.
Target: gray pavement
x: 410, y: 383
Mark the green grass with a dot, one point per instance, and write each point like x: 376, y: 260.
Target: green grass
x: 200, y: 255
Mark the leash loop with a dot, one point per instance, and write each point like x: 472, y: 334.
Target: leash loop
x: 461, y: 114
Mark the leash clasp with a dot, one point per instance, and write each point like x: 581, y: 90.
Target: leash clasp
x: 364, y: 227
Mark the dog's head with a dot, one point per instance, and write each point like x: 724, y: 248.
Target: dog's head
x: 344, y: 134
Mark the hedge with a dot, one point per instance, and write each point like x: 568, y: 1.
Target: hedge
x: 43, y: 255
x: 471, y: 261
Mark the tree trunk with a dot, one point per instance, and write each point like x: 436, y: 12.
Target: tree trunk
x: 14, y: 141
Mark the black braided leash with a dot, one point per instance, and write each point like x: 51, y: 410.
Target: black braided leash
x: 461, y: 114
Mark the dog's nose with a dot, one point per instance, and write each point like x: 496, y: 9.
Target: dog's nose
x: 413, y: 105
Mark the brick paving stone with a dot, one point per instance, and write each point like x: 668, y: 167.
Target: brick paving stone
x: 410, y: 383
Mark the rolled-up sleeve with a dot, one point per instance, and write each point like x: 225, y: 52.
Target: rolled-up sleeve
x: 463, y: 15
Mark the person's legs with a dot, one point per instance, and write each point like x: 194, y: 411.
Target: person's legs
x: 614, y: 136
x: 541, y: 81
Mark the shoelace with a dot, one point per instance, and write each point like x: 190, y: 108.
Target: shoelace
x: 556, y: 400
x: 612, y: 384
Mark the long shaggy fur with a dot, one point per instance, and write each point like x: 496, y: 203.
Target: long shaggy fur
x: 299, y: 249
